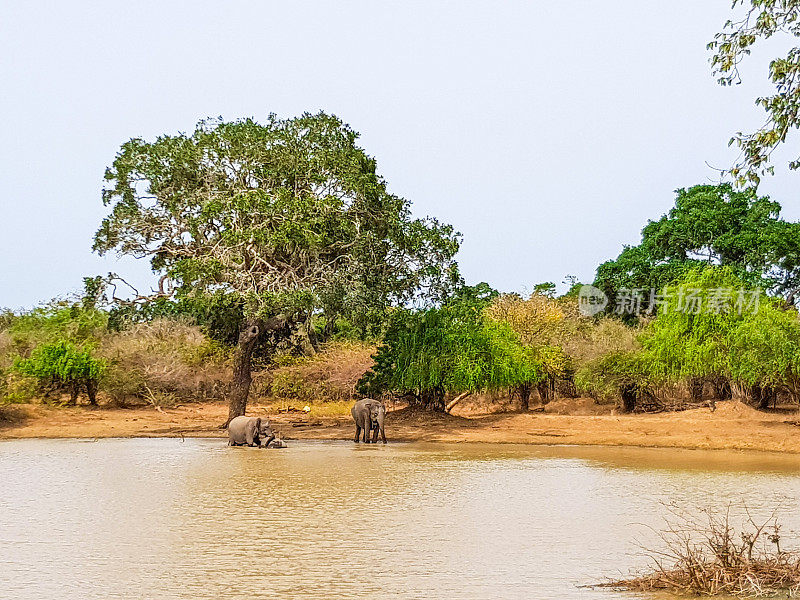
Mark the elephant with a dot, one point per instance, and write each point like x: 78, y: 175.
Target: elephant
x: 249, y: 431
x: 369, y: 415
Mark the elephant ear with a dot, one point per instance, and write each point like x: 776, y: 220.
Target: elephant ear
x: 258, y: 424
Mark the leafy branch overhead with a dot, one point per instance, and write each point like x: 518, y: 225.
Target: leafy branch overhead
x: 760, y: 20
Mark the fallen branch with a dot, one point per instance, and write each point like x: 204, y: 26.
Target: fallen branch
x: 455, y: 401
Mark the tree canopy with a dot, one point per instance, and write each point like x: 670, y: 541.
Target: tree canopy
x: 290, y: 215
x: 710, y: 225
x: 453, y: 348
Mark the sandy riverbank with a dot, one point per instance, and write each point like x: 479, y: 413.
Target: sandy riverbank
x: 732, y: 426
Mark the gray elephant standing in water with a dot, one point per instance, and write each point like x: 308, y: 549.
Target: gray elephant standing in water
x: 249, y: 431
x: 369, y: 415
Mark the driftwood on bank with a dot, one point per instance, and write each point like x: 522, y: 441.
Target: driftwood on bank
x: 455, y: 401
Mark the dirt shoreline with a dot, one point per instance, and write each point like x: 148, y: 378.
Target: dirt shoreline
x: 733, y: 426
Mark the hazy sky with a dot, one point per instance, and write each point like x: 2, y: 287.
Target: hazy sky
x: 546, y: 132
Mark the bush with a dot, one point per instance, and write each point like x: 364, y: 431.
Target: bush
x: 161, y: 360
x: 563, y: 341
x: 624, y: 375
x: 714, y: 557
x: 58, y: 321
x: 63, y: 366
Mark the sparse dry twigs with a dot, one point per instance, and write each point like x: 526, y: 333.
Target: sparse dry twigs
x: 711, y: 555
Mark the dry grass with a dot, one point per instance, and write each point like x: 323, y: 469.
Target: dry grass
x: 163, y: 361
x: 710, y: 556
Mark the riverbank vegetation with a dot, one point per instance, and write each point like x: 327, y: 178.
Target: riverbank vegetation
x: 286, y: 270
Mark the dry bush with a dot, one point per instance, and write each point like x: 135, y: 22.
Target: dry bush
x: 329, y: 375
x: 164, y: 361
x: 6, y: 349
x: 710, y: 556
x: 596, y: 338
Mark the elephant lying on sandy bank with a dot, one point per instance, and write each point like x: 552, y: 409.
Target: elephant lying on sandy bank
x: 369, y: 415
x: 250, y: 431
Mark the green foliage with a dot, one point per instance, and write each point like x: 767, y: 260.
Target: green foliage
x: 709, y: 330
x: 62, y: 365
x: 760, y: 20
x: 764, y: 350
x: 546, y: 288
x: 618, y: 374
x: 710, y: 225
x: 58, y: 321
x: 688, y: 338
x: 289, y: 217
x: 218, y: 314
x: 291, y: 386
x: 450, y: 349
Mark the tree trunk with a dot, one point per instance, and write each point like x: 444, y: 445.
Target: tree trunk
x: 433, y: 399
x: 722, y: 389
x: 524, y: 391
x: 629, y: 395
x: 243, y: 362
x: 74, y: 390
x: 546, y: 389
x: 242, y: 367
x: 303, y: 340
x: 760, y: 397
x: 91, y: 391
x: 456, y: 400
x: 696, y: 388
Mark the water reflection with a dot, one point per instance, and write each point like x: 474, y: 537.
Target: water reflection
x: 196, y: 519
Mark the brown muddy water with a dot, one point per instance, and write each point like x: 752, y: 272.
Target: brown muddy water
x: 194, y: 519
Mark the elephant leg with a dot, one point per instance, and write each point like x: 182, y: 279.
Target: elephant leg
x: 383, y: 435
x: 358, y: 433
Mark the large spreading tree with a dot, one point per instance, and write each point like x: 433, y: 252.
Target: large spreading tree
x: 290, y: 217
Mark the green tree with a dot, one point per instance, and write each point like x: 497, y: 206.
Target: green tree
x: 291, y: 217
x: 710, y: 225
x: 64, y: 366
x: 757, y: 21
x: 428, y: 353
x: 713, y: 328
x: 765, y: 355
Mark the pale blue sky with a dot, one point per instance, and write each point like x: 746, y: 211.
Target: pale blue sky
x: 547, y: 132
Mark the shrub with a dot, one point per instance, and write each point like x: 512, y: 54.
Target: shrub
x: 163, y: 359
x: 715, y: 557
x: 58, y: 321
x: 63, y: 366
x: 624, y: 375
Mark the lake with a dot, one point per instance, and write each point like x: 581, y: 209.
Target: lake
x: 195, y: 519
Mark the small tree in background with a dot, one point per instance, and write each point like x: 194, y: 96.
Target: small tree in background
x: 63, y: 366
